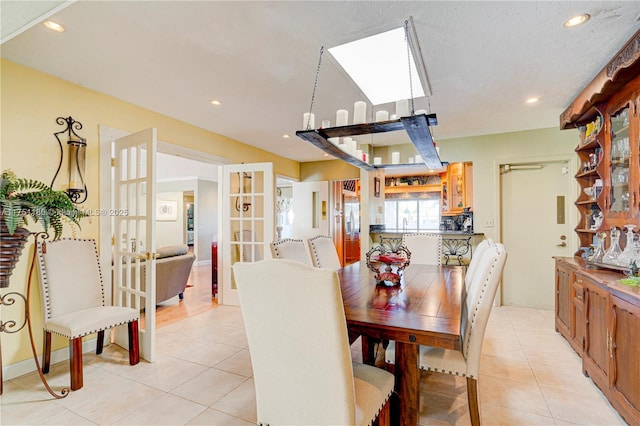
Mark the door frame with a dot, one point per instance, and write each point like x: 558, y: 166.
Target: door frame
x: 572, y: 219
x: 107, y: 136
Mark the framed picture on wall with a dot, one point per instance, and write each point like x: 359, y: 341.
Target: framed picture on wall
x: 376, y: 186
x: 166, y: 210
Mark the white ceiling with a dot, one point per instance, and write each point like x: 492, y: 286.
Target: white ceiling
x: 259, y: 58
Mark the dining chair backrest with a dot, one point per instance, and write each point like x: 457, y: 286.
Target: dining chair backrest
x: 297, y: 334
x: 475, y: 259
x: 292, y: 249
x: 63, y: 265
x: 323, y: 252
x: 426, y: 249
x: 478, y: 303
x: 391, y: 244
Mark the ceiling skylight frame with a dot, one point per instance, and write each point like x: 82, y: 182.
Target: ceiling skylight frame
x: 410, y: 40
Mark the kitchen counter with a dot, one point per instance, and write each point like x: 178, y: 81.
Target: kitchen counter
x: 457, y: 246
x: 433, y: 231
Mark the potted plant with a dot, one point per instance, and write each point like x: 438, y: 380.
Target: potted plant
x: 21, y: 199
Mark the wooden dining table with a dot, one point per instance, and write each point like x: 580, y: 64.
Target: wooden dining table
x: 423, y: 310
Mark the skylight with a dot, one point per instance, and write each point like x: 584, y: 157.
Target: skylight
x: 378, y: 65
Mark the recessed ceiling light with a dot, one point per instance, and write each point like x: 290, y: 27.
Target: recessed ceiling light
x: 532, y: 100
x: 577, y: 20
x: 54, y: 26
x: 325, y: 155
x: 286, y: 136
x: 214, y: 102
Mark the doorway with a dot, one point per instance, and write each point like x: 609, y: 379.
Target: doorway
x: 351, y: 229
x: 536, y: 224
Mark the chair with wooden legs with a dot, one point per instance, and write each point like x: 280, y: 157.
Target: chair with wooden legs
x: 475, y: 311
x: 74, y: 304
x: 303, y: 373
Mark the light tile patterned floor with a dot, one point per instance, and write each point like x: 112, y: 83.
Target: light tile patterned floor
x: 529, y: 376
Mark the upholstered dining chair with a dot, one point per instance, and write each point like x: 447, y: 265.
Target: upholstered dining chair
x: 73, y: 302
x: 475, y: 260
x: 323, y: 252
x: 308, y: 377
x: 474, y: 315
x: 292, y: 249
x: 426, y: 249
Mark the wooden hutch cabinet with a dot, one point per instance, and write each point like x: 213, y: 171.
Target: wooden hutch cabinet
x: 599, y: 316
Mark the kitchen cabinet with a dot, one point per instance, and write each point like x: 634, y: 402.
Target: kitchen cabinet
x: 457, y: 190
x: 601, y: 317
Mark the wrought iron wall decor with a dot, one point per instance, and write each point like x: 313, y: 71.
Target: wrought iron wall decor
x: 76, y: 152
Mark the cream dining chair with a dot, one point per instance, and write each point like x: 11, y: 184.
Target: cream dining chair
x: 73, y: 302
x: 323, y: 252
x: 307, y: 378
x: 426, y: 249
x: 292, y: 249
x: 475, y: 260
x: 474, y: 315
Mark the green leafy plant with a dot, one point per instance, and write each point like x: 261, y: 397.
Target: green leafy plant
x: 631, y: 281
x: 22, y: 198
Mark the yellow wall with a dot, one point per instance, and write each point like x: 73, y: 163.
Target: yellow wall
x: 30, y: 103
x: 328, y: 170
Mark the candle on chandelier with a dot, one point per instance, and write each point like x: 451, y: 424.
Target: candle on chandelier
x: 359, y: 112
x: 382, y: 116
x: 395, y: 157
x: 342, y: 117
x: 308, y: 121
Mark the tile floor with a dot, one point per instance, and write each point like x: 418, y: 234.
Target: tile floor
x: 529, y: 376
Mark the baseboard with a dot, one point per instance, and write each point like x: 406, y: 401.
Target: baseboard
x: 29, y: 366
x: 202, y: 262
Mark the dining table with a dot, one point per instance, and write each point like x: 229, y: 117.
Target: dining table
x: 423, y: 309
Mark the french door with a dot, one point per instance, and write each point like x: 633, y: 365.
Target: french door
x: 133, y: 213
x: 246, y: 221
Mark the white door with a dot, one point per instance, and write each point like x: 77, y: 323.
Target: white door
x: 134, y: 233
x: 310, y: 209
x: 246, y: 221
x: 537, y: 216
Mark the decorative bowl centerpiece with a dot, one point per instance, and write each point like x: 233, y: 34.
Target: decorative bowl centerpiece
x: 394, y: 262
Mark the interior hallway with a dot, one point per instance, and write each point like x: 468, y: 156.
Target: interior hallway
x: 203, y: 376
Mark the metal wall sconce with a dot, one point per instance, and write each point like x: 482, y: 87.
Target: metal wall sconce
x: 76, y: 151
